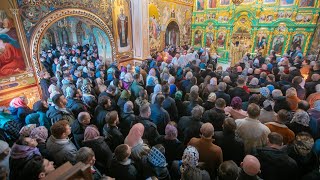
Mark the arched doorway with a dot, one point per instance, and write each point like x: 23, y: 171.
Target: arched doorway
x: 55, y: 16
x: 172, y: 36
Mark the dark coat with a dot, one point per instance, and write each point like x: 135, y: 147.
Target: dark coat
x: 223, y: 95
x: 151, y: 133
x: 123, y: 172
x: 231, y: 146
x: 174, y: 149
x: 125, y: 122
x: 281, y: 103
x: 102, y: 152
x: 305, y: 163
x: 215, y: 117
x: 76, y: 106
x: 78, y: 133
x: 188, y: 127
x: 276, y: 164
x: 208, y: 105
x: 169, y: 104
x: 99, y: 117
x: 113, y: 136
x: 160, y: 117
x: 240, y: 92
x: 55, y: 115
x: 161, y: 173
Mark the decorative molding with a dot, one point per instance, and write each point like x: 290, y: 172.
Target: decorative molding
x: 55, y: 16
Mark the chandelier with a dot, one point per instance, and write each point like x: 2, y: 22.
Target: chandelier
x: 237, y: 2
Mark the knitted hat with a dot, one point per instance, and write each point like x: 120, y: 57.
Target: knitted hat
x: 303, y: 144
x: 91, y: 132
x: 156, y: 158
x: 212, y: 97
x: 40, y: 134
x: 271, y: 88
x: 268, y: 103
x: 264, y: 91
x: 171, y: 132
x: 26, y: 130
x: 3, y: 146
x: 178, y: 95
x: 190, y: 156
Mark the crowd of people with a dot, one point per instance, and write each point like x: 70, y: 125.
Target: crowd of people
x: 178, y: 115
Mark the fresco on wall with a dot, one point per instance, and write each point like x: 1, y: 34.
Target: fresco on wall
x: 15, y: 71
x: 212, y: 3
x: 172, y: 36
x: 307, y: 3
x: 224, y: 2
x: 32, y: 12
x: 154, y: 27
x: 297, y: 40
x: 209, y: 39
x: 286, y: 2
x: 103, y: 43
x: 221, y: 39
x: 200, y: 5
x: 198, y: 38
x: 160, y: 15
x: 122, y: 25
x: 277, y: 44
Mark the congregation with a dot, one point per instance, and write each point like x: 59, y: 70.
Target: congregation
x: 177, y: 115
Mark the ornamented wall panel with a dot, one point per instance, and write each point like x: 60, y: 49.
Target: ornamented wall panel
x: 164, y: 12
x: 299, y: 18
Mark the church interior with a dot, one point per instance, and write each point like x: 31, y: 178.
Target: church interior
x: 58, y: 41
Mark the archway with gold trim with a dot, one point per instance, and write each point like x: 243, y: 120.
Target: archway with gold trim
x: 55, y: 16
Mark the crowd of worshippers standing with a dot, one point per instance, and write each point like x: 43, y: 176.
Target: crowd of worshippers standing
x: 178, y: 115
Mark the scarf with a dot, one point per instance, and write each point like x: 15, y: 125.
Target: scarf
x: 40, y: 134
x: 301, y: 117
x: 90, y: 133
x: 135, y: 135
x: 17, y: 102
x: 22, y: 151
x: 156, y: 158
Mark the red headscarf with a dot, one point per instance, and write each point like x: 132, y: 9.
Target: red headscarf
x: 18, y: 102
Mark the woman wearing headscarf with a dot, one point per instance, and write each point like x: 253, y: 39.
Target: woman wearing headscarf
x: 172, y: 86
x: 157, y: 90
x: 124, y: 97
x: 134, y: 140
x: 40, y: 134
x: 22, y: 151
x: 300, y: 122
x: 267, y: 113
x: 174, y: 147
x: 314, y: 123
x: 254, y: 86
x: 101, y: 150
x: 19, y: 109
x: 88, y: 99
x: 155, y: 165
x: 100, y: 87
x: 188, y: 167
x: 210, y: 103
x: 152, y: 80
x: 292, y: 98
x: 235, y: 109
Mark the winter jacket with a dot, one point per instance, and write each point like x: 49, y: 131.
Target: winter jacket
x: 78, y: 133
x: 61, y: 150
x: 102, y: 152
x: 56, y: 115
x: 125, y: 122
x: 151, y: 133
x: 169, y: 104
x: 160, y: 117
x: 113, y: 136
x: 123, y: 170
x: 76, y: 106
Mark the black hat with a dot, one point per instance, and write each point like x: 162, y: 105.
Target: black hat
x: 56, y: 98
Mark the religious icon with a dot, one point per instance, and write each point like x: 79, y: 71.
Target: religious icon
x: 200, y: 5
x: 277, y: 44
x: 212, y: 3
x: 224, y: 2
x: 286, y: 2
x: 209, y: 39
x: 154, y: 28
x: 173, y: 14
x: 262, y: 41
x: 198, y: 38
x: 11, y: 59
x: 307, y: 3
x: 299, y: 18
x: 269, y: 1
x: 122, y: 24
x: 221, y: 39
x: 297, y: 41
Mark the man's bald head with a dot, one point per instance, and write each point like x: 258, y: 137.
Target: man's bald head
x: 250, y: 165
